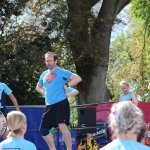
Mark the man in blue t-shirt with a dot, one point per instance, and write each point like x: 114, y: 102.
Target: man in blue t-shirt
x: 51, y: 85
x: 4, y: 91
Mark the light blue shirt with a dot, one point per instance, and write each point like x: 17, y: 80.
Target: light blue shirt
x: 17, y: 144
x: 126, y: 97
x: 53, y: 83
x: 125, y: 145
x: 70, y: 89
x: 4, y: 90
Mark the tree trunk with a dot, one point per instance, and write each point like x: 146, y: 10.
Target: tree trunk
x: 89, y: 40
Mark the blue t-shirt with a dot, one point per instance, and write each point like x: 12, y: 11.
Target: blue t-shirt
x: 17, y: 144
x: 70, y: 89
x: 126, y: 97
x: 125, y: 145
x: 53, y: 83
x: 4, y: 90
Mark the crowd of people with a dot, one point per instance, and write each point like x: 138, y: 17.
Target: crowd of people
x: 125, y: 119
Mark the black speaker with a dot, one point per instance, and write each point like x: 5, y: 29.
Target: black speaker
x: 87, y: 119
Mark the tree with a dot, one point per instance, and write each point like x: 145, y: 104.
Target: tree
x: 28, y: 33
x: 133, y: 62
x: 119, y: 60
x: 89, y: 40
x: 70, y: 25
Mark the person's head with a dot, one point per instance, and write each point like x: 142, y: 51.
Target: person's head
x: 89, y: 135
x: 124, y: 85
x: 124, y: 118
x: 141, y: 134
x: 16, y: 122
x: 51, y: 60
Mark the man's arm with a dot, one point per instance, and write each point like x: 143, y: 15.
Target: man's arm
x: 134, y: 99
x: 120, y: 98
x: 39, y: 88
x: 148, y: 86
x: 74, y: 79
x: 12, y: 97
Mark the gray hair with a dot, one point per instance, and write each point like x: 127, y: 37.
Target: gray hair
x: 125, y: 117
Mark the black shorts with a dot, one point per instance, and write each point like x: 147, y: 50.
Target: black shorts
x: 56, y: 114
x: 4, y: 111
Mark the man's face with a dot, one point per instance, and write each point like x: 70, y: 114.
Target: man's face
x: 49, y: 61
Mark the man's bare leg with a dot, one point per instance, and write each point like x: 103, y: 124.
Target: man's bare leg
x: 49, y: 139
x: 66, y: 135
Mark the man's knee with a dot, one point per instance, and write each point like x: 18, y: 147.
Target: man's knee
x: 63, y: 127
x: 44, y: 131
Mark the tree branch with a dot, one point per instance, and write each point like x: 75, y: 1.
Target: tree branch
x: 120, y: 5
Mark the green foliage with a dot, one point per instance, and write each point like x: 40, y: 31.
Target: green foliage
x: 129, y: 59
x: 140, y: 11
x: 31, y: 28
x: 72, y: 101
x: 23, y: 42
x: 119, y: 57
x: 134, y: 68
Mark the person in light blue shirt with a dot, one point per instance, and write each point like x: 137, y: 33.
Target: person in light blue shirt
x: 57, y: 111
x: 17, y: 124
x: 4, y: 91
x: 125, y: 121
x: 127, y: 95
x: 70, y: 91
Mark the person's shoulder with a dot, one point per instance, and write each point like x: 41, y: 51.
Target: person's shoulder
x: 62, y: 69
x: 44, y: 72
x: 30, y: 144
x: 131, y: 93
x: 121, y: 94
x: 142, y: 146
x: 111, y: 146
x: 3, y: 84
x: 5, y: 141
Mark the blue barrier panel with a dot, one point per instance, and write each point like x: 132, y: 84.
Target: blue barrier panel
x: 101, y: 135
x: 73, y: 136
x: 56, y: 140
x: 59, y: 143
x: 34, y: 114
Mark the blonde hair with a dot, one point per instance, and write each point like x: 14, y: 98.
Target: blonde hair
x: 124, y: 82
x: 15, y: 120
x: 125, y: 117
